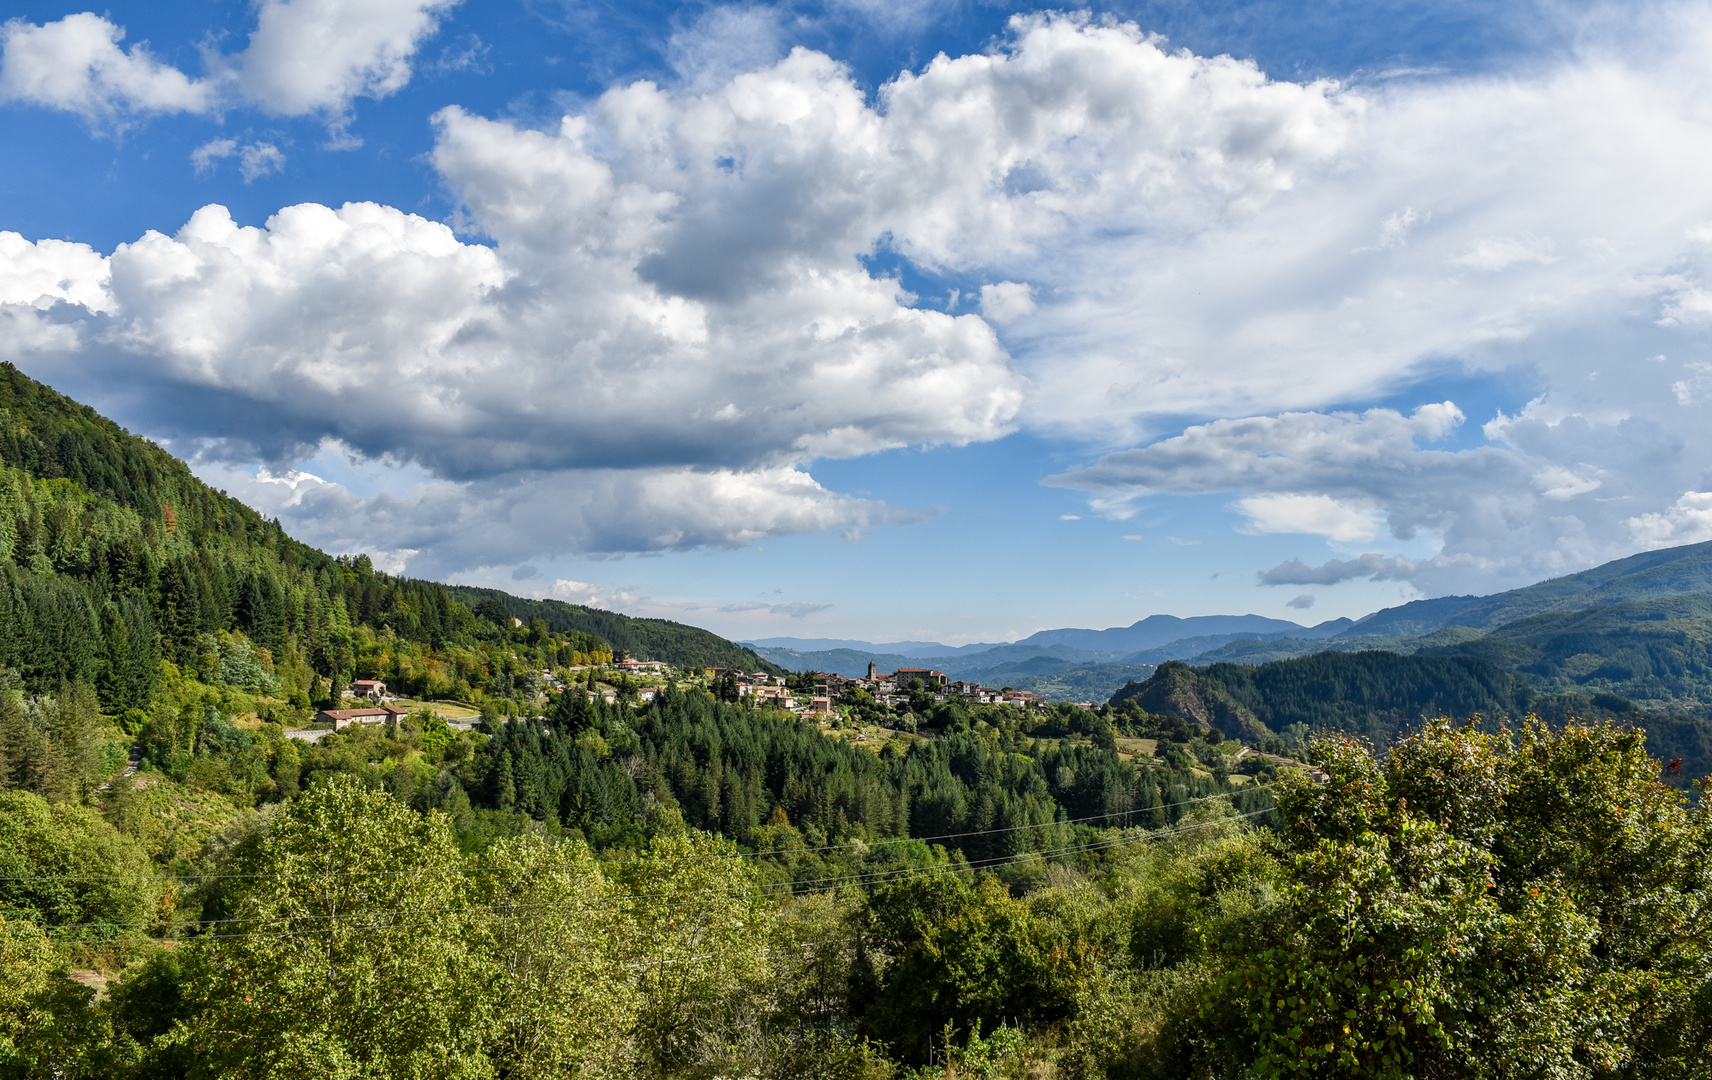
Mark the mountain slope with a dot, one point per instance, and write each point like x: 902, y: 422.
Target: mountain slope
x: 1057, y: 681
x: 1668, y: 572
x: 114, y: 557
x: 1382, y: 695
x: 1371, y: 693
x: 1098, y: 656
x: 675, y: 643
x: 1267, y: 649
x: 1657, y: 651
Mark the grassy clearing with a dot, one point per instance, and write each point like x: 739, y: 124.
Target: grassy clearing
x: 870, y: 736
x: 444, y: 709
x: 1138, y: 747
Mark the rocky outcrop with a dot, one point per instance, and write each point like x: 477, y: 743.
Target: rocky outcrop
x: 1176, y: 689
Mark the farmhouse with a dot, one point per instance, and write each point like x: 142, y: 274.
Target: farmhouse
x: 344, y: 718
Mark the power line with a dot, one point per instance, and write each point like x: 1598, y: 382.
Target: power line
x: 864, y: 844
x: 377, y: 920
x: 773, y: 889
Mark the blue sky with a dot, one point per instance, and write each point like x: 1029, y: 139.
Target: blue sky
x: 762, y: 317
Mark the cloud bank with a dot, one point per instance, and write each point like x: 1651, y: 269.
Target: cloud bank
x: 648, y: 321
x: 1531, y: 502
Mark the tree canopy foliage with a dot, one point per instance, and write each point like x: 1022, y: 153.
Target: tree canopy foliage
x: 696, y: 886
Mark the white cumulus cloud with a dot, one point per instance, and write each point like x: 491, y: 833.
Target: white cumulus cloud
x: 1494, y: 253
x: 1319, y: 515
x: 1686, y: 521
x: 40, y: 274
x: 315, y: 56
x: 1504, y: 512
x: 76, y: 64
x: 1541, y: 219
x: 1006, y: 301
x: 448, y: 527
x: 304, y: 57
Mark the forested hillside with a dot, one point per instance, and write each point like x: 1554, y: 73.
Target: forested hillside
x: 596, y: 768
x: 115, y: 558
x: 656, y: 639
x: 1373, y: 694
x: 1656, y: 650
x: 1651, y: 574
x: 1382, y: 696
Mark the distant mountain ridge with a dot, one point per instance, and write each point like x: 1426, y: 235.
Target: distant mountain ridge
x: 1157, y: 630
x: 853, y: 663
x: 1064, y: 664
x: 1114, y: 643
x: 1629, y: 641
x: 1073, y: 662
x: 911, y: 649
x: 1674, y: 571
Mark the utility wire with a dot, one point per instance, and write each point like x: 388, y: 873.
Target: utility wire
x: 880, y: 876
x: 377, y: 920
x: 685, y: 858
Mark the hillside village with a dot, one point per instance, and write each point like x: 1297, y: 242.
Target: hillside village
x: 816, y: 693
x: 830, y: 688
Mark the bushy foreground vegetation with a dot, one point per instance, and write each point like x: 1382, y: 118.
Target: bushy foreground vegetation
x: 695, y: 888
x: 1467, y: 904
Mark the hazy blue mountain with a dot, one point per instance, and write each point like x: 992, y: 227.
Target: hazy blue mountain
x: 850, y: 663
x: 881, y: 648
x: 1073, y: 663
x: 853, y: 663
x: 1021, y: 653
x: 930, y: 651
x: 1113, y: 643
x: 802, y: 644
x: 1090, y: 652
x: 1157, y: 630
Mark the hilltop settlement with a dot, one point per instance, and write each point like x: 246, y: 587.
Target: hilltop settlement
x: 825, y: 689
